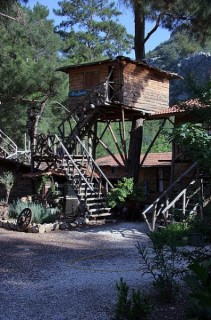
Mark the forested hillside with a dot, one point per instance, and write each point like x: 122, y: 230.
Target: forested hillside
x: 190, y: 59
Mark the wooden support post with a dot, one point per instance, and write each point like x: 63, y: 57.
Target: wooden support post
x: 134, y: 152
x: 117, y: 145
x: 94, y: 147
x: 153, y: 141
x: 123, y: 136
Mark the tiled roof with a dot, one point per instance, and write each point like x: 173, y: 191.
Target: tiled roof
x: 152, y: 159
x: 182, y: 107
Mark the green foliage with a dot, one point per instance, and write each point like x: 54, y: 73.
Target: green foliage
x: 29, y: 57
x: 91, y: 31
x: 134, y: 308
x: 7, y: 180
x: 171, y: 236
x: 44, y: 180
x: 200, y: 282
x: 162, y: 143
x: 196, y: 141
x: 168, y: 54
x: 124, y: 191
x: 40, y: 214
x: 160, y: 262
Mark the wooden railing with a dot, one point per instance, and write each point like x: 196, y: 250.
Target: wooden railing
x: 103, y: 93
x: 8, y: 148
x: 88, y: 170
x: 162, y: 205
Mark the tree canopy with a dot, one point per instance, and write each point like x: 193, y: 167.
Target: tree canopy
x: 90, y: 30
x: 190, y: 17
x: 29, y: 57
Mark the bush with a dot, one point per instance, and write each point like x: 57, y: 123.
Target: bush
x: 136, y: 308
x: 124, y: 191
x: 172, y: 235
x: 200, y: 282
x: 40, y: 214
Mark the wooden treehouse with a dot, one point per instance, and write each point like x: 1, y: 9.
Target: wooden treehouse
x: 113, y: 91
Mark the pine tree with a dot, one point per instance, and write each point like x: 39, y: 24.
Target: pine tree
x: 29, y: 58
x: 90, y: 30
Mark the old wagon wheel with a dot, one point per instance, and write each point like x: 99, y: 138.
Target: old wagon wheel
x: 24, y: 219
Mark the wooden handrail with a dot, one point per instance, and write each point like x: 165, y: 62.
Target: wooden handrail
x: 169, y: 189
x: 93, y: 162
x: 74, y: 164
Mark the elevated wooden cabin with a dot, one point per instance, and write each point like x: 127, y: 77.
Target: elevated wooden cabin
x: 111, y: 83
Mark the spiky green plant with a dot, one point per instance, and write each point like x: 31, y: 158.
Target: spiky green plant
x: 7, y: 180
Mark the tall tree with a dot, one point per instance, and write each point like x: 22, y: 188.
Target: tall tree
x: 188, y: 16
x: 28, y: 59
x: 90, y: 30
x: 11, y: 9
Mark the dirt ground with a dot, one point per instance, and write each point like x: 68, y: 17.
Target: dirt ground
x: 72, y: 275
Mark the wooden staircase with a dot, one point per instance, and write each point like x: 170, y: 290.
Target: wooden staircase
x: 87, y: 180
x: 79, y: 122
x: 180, y: 200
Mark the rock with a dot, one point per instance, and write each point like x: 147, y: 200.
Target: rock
x: 63, y: 226
x: 48, y: 227
x: 13, y: 226
x: 41, y: 228
x: 196, y: 67
x: 4, y: 224
x: 55, y: 226
x: 74, y: 224
x: 33, y: 229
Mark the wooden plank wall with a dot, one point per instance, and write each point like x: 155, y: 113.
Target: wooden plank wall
x: 77, y: 80
x: 145, y: 89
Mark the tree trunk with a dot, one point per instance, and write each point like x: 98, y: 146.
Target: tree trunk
x: 136, y: 135
x: 135, y: 149
x: 139, y: 20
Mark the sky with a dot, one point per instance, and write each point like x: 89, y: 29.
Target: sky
x: 126, y: 19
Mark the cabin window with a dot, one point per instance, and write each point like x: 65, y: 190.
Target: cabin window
x: 91, y: 79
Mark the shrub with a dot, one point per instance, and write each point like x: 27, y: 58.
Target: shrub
x: 200, y: 282
x: 40, y: 214
x: 172, y: 235
x: 134, y: 308
x: 162, y: 261
x: 124, y: 191
x: 7, y: 180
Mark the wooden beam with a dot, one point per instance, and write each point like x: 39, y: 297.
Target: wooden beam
x: 101, y: 136
x: 109, y: 152
x: 124, y: 133
x: 117, y: 145
x: 153, y: 141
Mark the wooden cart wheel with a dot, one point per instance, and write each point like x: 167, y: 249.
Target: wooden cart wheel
x: 24, y: 219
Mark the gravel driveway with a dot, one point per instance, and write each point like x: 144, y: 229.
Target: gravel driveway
x: 68, y: 274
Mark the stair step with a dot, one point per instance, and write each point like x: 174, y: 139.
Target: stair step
x: 95, y: 199
x: 99, y: 209
x: 95, y: 206
x: 102, y: 214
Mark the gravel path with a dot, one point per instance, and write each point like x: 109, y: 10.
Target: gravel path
x: 68, y: 275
